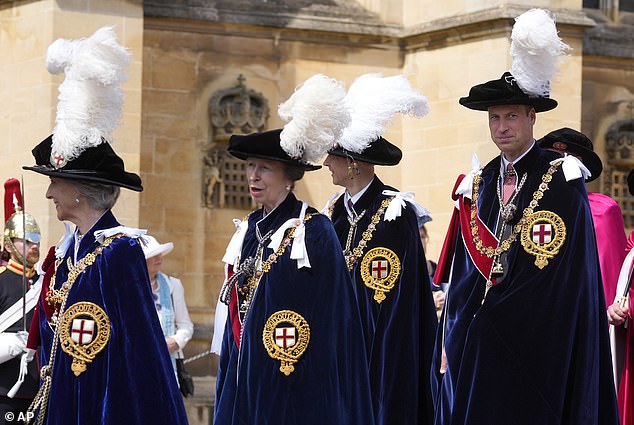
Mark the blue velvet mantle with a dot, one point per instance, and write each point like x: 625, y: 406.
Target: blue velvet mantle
x: 131, y: 381
x: 330, y: 382
x: 536, y: 351
x: 399, y: 331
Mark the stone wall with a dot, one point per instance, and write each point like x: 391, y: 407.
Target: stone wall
x: 187, y: 61
x: 29, y: 92
x: 185, y: 51
x: 183, y: 67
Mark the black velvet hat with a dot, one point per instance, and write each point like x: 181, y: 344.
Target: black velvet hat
x: 88, y: 111
x: 265, y: 145
x: 99, y: 164
x: 380, y: 152
x: 504, y: 91
x: 576, y: 143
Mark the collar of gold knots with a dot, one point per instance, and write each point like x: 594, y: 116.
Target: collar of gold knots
x: 56, y: 297
x: 366, y: 236
x: 503, y: 246
x: 264, y: 268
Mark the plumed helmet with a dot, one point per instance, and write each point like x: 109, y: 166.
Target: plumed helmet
x: 17, y: 223
x: 14, y: 227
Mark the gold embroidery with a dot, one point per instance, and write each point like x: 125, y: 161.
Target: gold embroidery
x: 55, y: 297
x: 380, y: 269
x: 74, y: 327
x: 543, y: 235
x: 286, y: 343
x: 60, y: 295
x: 505, y: 245
x: 252, y: 283
x: 366, y: 236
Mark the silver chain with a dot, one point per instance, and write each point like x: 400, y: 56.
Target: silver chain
x: 197, y: 356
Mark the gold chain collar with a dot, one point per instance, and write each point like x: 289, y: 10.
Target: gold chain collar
x: 46, y: 373
x: 272, y: 259
x: 366, y: 236
x: 504, y: 246
x: 248, y: 291
x: 58, y: 296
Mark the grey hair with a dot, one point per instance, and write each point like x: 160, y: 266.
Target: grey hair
x: 99, y: 196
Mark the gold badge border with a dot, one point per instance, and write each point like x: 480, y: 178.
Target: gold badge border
x: 547, y: 251
x: 287, y: 356
x: 385, y: 285
x: 84, y: 354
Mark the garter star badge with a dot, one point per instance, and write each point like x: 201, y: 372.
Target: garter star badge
x: 380, y: 269
x: 84, y: 330
x: 57, y: 160
x: 285, y: 336
x: 543, y: 234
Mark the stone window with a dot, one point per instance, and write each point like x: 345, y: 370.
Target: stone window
x: 620, y: 154
x: 232, y: 110
x: 608, y: 5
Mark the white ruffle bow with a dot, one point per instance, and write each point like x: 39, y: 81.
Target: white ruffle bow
x: 573, y: 167
x: 298, y: 250
x: 101, y: 235
x: 465, y: 188
x: 397, y: 204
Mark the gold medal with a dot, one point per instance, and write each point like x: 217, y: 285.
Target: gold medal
x: 84, y: 330
x: 543, y: 234
x: 380, y: 269
x: 286, y: 335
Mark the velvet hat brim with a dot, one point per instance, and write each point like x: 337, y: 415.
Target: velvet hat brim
x: 380, y: 152
x: 265, y: 145
x: 504, y: 91
x: 98, y: 164
x: 577, y: 144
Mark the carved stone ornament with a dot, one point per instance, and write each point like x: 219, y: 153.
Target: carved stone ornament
x: 239, y: 108
x: 213, y: 183
x: 620, y: 141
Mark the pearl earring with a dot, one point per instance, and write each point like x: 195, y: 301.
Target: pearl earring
x: 289, y: 187
x: 77, y: 200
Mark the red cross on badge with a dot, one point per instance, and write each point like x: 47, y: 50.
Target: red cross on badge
x: 285, y: 337
x: 542, y: 233
x: 82, y: 331
x: 379, y: 269
x: 59, y: 159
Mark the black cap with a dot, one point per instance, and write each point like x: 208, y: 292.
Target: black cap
x: 380, y: 152
x: 504, y: 91
x: 576, y: 143
x: 264, y: 145
x: 99, y: 164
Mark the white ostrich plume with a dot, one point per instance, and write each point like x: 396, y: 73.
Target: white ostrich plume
x: 316, y: 116
x: 373, y: 100
x: 535, y: 49
x: 90, y: 97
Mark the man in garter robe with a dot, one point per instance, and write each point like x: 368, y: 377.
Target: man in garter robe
x: 523, y: 338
